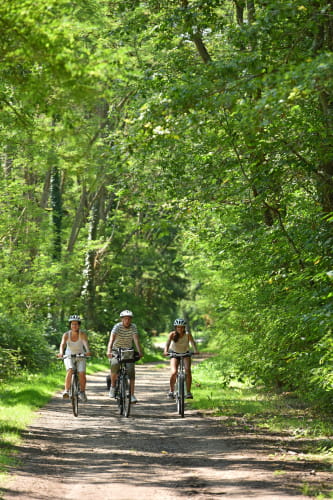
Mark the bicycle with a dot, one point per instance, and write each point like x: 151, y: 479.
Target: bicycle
x: 180, y: 380
x: 75, y: 383
x: 123, y: 392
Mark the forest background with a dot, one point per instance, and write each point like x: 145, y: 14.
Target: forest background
x: 174, y: 158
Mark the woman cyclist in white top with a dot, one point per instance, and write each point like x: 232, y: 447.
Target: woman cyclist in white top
x: 76, y: 342
x: 179, y: 341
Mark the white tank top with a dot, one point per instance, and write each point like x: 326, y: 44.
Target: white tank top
x: 181, y: 346
x: 76, y: 347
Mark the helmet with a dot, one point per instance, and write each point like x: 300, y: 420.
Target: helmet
x: 179, y: 322
x: 74, y: 317
x: 126, y: 312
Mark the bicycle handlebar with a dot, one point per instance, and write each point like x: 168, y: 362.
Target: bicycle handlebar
x: 73, y: 356
x: 180, y: 354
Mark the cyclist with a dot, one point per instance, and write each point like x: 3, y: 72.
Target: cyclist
x: 123, y: 334
x: 179, y: 341
x: 76, y: 342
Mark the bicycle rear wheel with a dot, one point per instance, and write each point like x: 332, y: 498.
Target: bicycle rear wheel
x: 75, y: 394
x: 181, y: 394
x: 126, y: 396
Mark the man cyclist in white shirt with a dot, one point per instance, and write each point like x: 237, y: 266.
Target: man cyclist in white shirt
x: 123, y: 334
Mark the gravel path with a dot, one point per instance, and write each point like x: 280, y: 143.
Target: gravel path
x: 153, y: 454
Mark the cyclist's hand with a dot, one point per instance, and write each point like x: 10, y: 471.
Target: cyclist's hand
x: 59, y: 355
x: 109, y: 355
x: 165, y: 353
x: 88, y: 353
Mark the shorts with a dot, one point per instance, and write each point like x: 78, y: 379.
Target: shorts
x: 81, y: 364
x: 114, y: 364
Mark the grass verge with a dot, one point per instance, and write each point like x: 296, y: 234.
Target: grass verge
x: 219, y: 394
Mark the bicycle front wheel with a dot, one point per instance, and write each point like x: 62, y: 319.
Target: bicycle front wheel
x: 75, y: 395
x: 119, y: 393
x: 126, y: 396
x: 181, y: 394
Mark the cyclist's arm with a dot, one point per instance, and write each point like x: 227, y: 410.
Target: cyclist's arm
x: 191, y: 339
x: 85, y: 343
x: 137, y: 344
x: 110, y: 344
x: 62, y: 345
x: 167, y: 345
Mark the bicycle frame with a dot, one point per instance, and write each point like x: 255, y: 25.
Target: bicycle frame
x: 180, y: 381
x: 75, y: 382
x: 123, y: 392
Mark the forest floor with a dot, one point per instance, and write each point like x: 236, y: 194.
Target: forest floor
x: 155, y: 454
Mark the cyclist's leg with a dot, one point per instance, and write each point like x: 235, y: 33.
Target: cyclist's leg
x: 83, y: 381
x: 188, y: 372
x: 81, y: 368
x: 68, y: 379
x: 114, y: 366
x: 69, y: 370
x: 75, y: 394
x: 174, y: 362
x: 131, y: 376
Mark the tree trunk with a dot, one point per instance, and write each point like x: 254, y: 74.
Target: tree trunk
x: 325, y: 187
x: 46, y: 189
x: 196, y: 38
x: 56, y: 205
x: 251, y: 11
x: 201, y: 48
x: 89, y: 287
x: 240, y: 6
x: 78, y: 219
x: 7, y: 164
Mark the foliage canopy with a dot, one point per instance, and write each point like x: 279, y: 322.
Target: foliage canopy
x: 174, y: 158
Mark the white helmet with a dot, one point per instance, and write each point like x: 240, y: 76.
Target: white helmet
x: 179, y: 322
x: 74, y: 317
x: 126, y: 312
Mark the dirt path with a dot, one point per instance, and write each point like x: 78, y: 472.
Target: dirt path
x: 153, y: 454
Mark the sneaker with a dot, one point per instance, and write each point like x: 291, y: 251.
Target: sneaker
x: 83, y: 397
x: 133, y: 399
x: 171, y: 395
x: 189, y: 395
x: 112, y: 393
x: 65, y: 394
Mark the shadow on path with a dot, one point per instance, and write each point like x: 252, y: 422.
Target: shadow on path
x: 153, y: 453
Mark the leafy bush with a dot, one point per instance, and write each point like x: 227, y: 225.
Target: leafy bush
x: 25, y: 345
x: 9, y: 363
